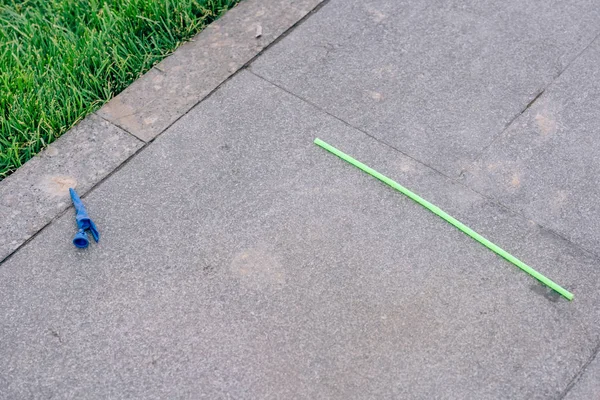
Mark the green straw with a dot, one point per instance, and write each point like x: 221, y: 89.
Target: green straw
x: 442, y: 214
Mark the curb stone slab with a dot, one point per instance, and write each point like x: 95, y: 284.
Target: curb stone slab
x: 180, y: 81
x: 39, y: 190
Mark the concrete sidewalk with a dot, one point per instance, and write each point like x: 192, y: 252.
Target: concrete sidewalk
x: 239, y: 260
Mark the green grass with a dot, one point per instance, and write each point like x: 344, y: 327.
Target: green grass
x: 62, y: 59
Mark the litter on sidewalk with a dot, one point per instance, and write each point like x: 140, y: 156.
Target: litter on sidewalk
x: 84, y: 223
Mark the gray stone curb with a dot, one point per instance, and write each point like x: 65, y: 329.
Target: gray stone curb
x: 38, y: 191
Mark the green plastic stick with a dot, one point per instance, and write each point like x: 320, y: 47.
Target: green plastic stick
x: 439, y: 212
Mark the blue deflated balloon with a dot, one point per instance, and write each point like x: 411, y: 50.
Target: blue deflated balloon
x: 84, y: 223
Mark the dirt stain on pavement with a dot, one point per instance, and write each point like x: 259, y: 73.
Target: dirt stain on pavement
x: 58, y: 185
x: 559, y: 202
x: 376, y: 15
x: 515, y: 181
x: 378, y: 97
x: 546, y: 123
x: 493, y: 167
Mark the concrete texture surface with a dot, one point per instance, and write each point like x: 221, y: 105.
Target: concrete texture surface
x: 547, y: 163
x: 436, y: 80
x: 39, y: 190
x: 175, y: 85
x: 239, y: 260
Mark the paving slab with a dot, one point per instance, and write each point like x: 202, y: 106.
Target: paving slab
x: 588, y: 386
x: 240, y: 260
x: 39, y: 190
x: 437, y: 80
x: 180, y: 81
x: 546, y: 164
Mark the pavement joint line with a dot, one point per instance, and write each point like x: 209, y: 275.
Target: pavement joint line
x: 537, y: 96
x: 518, y: 213
x: 352, y: 126
x: 508, y: 125
x: 577, y: 377
x: 121, y: 128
